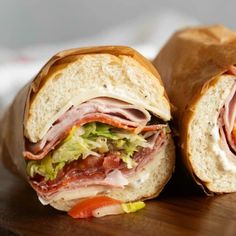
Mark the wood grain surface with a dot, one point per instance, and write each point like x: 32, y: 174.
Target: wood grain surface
x: 180, y: 210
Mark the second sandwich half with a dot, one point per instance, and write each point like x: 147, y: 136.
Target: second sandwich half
x: 95, y: 124
x: 198, y: 67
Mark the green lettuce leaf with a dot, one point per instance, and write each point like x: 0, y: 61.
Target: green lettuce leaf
x: 95, y: 129
x: 44, y: 167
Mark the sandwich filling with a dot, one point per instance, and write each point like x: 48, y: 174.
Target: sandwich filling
x: 227, y: 127
x: 102, y: 142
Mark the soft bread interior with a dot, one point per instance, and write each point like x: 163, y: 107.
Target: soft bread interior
x: 145, y: 184
x: 74, y: 81
x: 203, y: 155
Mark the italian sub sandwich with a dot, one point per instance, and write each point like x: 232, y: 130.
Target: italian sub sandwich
x: 197, y: 66
x: 90, y: 133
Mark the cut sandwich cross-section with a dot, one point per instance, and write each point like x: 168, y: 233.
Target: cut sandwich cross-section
x: 93, y: 123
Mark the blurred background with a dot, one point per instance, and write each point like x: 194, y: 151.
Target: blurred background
x: 31, y: 31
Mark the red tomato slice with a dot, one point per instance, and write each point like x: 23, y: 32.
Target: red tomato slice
x: 84, y: 209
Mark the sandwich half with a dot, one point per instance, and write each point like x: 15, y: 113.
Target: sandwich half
x: 197, y: 66
x: 93, y: 124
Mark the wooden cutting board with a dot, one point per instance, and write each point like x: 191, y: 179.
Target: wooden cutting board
x: 180, y: 210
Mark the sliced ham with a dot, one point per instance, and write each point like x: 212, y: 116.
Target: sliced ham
x: 105, y: 110
x: 94, y: 171
x: 227, y: 118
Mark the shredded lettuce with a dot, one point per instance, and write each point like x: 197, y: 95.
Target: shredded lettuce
x: 45, y: 167
x: 132, y: 206
x: 95, y: 129
x: 91, y: 139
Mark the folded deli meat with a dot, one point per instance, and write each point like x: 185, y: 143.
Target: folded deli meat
x: 197, y: 66
x: 90, y: 133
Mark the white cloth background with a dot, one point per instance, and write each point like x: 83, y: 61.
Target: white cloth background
x: 146, y: 34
